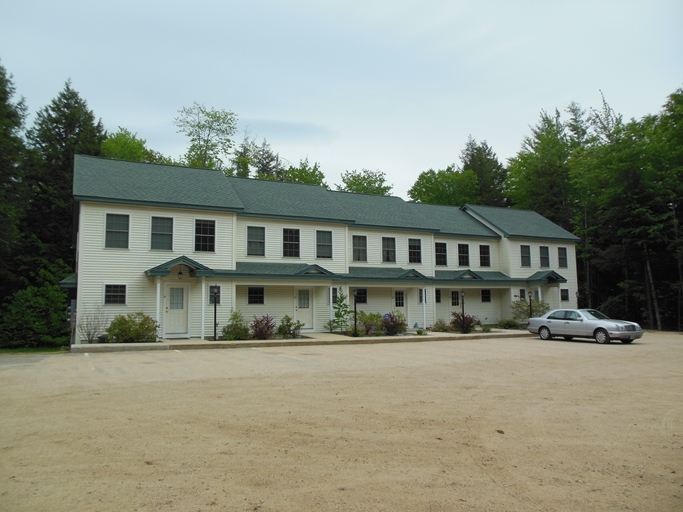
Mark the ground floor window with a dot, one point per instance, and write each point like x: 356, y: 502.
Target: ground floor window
x: 256, y: 295
x: 115, y: 294
x: 522, y: 294
x: 437, y: 296
x: 361, y: 295
x: 564, y: 294
x: 486, y: 295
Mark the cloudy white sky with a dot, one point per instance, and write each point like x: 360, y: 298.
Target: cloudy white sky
x: 395, y: 86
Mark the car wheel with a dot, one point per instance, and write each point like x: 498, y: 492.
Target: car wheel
x: 626, y: 341
x: 544, y: 333
x: 601, y: 336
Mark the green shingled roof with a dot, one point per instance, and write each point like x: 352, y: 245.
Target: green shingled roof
x: 119, y: 181
x: 513, y: 223
x: 110, y: 180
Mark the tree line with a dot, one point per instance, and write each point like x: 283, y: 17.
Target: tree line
x: 616, y: 184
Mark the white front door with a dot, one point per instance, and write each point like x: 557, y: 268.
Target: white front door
x: 175, y: 317
x: 304, y: 308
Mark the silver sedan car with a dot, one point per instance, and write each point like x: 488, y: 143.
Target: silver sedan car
x: 583, y: 323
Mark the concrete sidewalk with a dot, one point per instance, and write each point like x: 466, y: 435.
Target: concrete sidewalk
x: 316, y: 338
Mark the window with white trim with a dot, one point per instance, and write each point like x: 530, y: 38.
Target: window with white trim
x: 484, y: 255
x: 414, y: 250
x: 440, y: 252
x: 256, y: 241
x: 116, y: 234
x: 162, y: 233
x: 290, y: 243
x: 388, y: 249
x: 562, y: 257
x: 204, y: 235
x: 455, y: 298
x: 463, y: 255
x: 486, y: 295
x: 545, y: 256
x: 256, y: 295
x: 525, y: 251
x: 360, y: 248
x: 114, y: 293
x: 323, y: 244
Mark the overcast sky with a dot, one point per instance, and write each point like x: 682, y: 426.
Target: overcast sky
x: 395, y: 86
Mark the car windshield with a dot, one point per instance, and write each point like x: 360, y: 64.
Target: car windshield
x: 594, y: 314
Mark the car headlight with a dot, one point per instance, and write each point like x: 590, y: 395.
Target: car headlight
x: 619, y: 327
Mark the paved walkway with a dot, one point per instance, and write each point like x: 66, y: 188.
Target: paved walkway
x: 317, y: 338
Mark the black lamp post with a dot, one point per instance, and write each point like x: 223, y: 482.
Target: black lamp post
x: 355, y: 312
x: 531, y: 305
x: 214, y: 293
x: 462, y: 306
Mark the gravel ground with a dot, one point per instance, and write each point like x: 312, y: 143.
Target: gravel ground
x: 478, y: 425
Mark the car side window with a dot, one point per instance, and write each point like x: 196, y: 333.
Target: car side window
x: 557, y: 315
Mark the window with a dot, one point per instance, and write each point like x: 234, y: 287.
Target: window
x: 214, y: 294
x: 360, y: 248
x: 162, y: 233
x: 361, y: 295
x: 116, y: 236
x: 335, y: 294
x: 545, y: 256
x: 564, y: 294
x: 256, y: 295
x: 526, y: 255
x: 440, y: 252
x: 522, y: 294
x: 256, y: 241
x: 562, y: 257
x: 324, y: 244
x: 414, y: 250
x: 484, y: 256
x: 290, y: 243
x: 115, y: 294
x: 455, y: 298
x: 463, y: 255
x: 486, y: 295
x: 204, y: 235
x: 399, y: 301
x: 437, y: 296
x: 388, y: 250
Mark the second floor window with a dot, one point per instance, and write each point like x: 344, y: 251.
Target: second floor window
x: 440, y: 251
x: 360, y: 248
x: 116, y: 231
x: 162, y: 233
x: 484, y: 256
x: 256, y: 241
x: 205, y: 235
x: 526, y: 255
x: 545, y: 257
x: 463, y: 255
x: 323, y: 244
x: 388, y: 250
x: 290, y: 243
x: 414, y: 250
x: 562, y: 257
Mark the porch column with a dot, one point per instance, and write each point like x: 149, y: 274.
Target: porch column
x: 424, y: 308
x: 203, y: 307
x: 158, y: 282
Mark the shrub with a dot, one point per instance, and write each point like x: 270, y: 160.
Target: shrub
x: 371, y: 322
x: 394, y: 323
x: 288, y: 328
x: 132, y: 328
x: 462, y: 322
x: 342, y: 313
x: 263, y: 327
x: 508, y: 323
x: 520, y: 309
x: 441, y: 326
x: 92, y: 324
x: 486, y: 328
x: 236, y: 328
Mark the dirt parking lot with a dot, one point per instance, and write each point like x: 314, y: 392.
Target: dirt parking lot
x: 497, y: 425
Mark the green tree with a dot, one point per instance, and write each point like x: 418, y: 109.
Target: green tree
x: 365, y: 182
x: 538, y: 176
x: 12, y: 183
x: 490, y: 173
x: 266, y: 162
x: 210, y: 132
x: 447, y: 186
x: 62, y: 129
x: 305, y: 173
x: 241, y: 161
x: 125, y: 145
